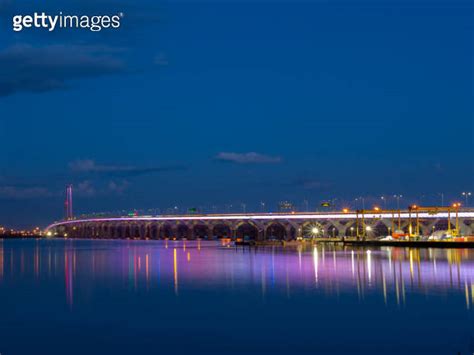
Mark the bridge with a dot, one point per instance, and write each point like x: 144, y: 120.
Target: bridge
x: 269, y: 226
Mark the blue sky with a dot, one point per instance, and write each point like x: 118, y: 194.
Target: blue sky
x: 213, y: 103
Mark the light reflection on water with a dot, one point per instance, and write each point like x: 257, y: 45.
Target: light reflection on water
x: 389, y: 272
x: 350, y: 283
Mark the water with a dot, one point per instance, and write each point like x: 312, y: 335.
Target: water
x: 142, y: 297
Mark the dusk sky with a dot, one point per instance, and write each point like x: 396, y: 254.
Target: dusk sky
x: 197, y: 103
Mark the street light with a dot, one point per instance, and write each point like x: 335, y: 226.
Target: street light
x: 466, y: 196
x: 363, y: 201
x: 398, y: 197
x: 442, y: 198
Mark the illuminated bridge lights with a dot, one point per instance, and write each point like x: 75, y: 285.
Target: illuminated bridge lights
x: 264, y: 225
x: 262, y: 217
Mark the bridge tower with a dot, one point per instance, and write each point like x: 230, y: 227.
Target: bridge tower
x: 68, y: 203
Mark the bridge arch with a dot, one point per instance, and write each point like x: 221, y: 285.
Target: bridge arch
x: 247, y: 230
x: 380, y: 229
x: 442, y: 225
x: 332, y: 231
x: 166, y: 231
x: 351, y: 229
x: 275, y: 231
x: 154, y: 231
x: 135, y: 230
x: 183, y: 231
x: 222, y: 230
x: 310, y: 229
x: 202, y: 230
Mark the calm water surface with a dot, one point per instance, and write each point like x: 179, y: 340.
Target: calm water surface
x: 157, y: 297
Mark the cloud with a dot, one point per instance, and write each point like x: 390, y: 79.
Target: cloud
x: 118, y: 187
x: 89, y: 166
x: 85, y: 188
x: 23, y: 193
x: 247, y: 158
x: 25, y: 68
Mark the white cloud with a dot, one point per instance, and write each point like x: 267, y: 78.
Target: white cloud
x: 89, y: 165
x: 85, y: 188
x: 248, y: 158
x: 118, y: 187
x: 22, y: 193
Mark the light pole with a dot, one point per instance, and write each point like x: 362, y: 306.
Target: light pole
x: 442, y: 198
x: 362, y: 200
x: 384, y: 202
x: 398, y: 197
x: 306, y: 205
x: 466, y: 197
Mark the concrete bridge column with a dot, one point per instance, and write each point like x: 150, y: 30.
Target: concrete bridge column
x: 142, y: 231
x: 190, y: 233
x: 298, y: 228
x: 260, y: 231
x: 288, y: 232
